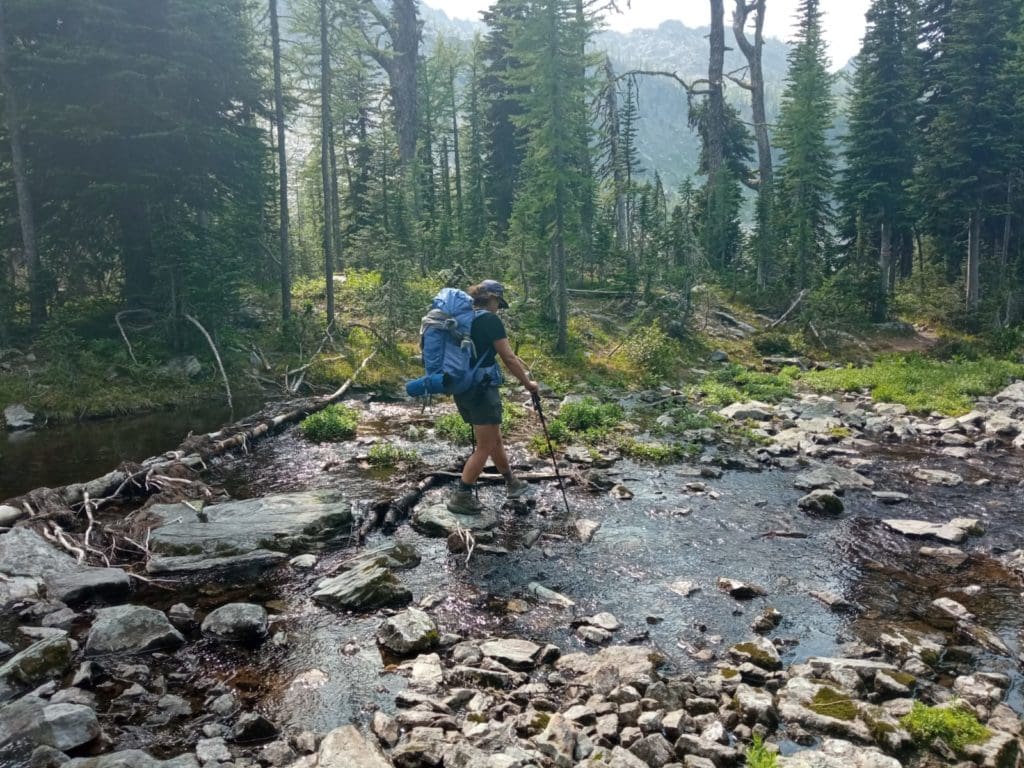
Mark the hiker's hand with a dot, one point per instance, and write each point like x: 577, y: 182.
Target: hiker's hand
x: 532, y: 386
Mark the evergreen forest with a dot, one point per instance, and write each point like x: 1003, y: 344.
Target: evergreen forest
x: 174, y: 172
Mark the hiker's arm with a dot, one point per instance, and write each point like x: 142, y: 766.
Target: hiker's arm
x: 514, y: 364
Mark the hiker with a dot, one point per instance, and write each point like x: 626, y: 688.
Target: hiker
x: 480, y: 406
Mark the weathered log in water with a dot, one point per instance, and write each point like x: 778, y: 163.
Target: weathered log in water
x: 172, y: 474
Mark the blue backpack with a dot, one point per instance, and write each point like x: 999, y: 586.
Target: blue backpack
x: 448, y: 350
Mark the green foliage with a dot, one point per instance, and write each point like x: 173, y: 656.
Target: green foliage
x: 735, y: 383
x: 454, y: 429
x: 589, y: 414
x: 387, y: 454
x: 658, y: 453
x: 333, y: 423
x: 651, y: 352
x: 929, y: 296
x: 920, y: 383
x: 774, y: 344
x: 953, y: 724
x: 758, y: 756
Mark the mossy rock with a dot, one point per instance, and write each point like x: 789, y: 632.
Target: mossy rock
x: 829, y: 702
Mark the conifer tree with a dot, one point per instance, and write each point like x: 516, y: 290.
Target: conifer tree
x: 804, y: 188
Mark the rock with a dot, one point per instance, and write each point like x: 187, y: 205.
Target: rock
x: 837, y: 603
x: 752, y: 410
x: 969, y: 525
x: 39, y: 662
x: 368, y: 583
x: 128, y: 629
x: 621, y: 492
x: 593, y: 635
x: 410, y: 631
x: 950, y: 556
x: 426, y: 674
x: 718, y: 356
x: 741, y: 590
x: 277, y: 754
x: 303, y: 562
x: 822, y: 502
x: 822, y: 709
x: 237, y: 622
x: 253, y: 727
x: 183, y: 367
x: 32, y: 721
x: 132, y: 758
x: 181, y: 616
x: 831, y: 477
x: 767, y: 621
x: 10, y: 515
x: 549, y: 595
x: 755, y: 706
x: 213, y: 750
x: 249, y: 564
x: 436, y: 521
x: 23, y: 552
x: 684, y: 588
x: 654, y: 750
x: 938, y: 477
x: 558, y: 741
x: 1013, y: 393
x: 834, y: 753
x: 890, y: 497
x: 621, y: 758
x: 346, y: 747
x: 17, y: 416
x: 280, y: 523
x: 759, y: 651
x: 513, y: 653
x: 628, y: 663
x: 585, y: 530
x: 86, y: 584
x: 419, y: 748
x: 924, y: 529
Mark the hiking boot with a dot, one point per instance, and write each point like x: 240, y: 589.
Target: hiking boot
x: 515, y: 488
x: 464, y: 503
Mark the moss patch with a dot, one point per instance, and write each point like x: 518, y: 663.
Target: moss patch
x: 830, y: 703
x: 954, y: 725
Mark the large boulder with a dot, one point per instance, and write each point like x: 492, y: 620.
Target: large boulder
x: 436, y: 521
x: 346, y: 747
x: 43, y: 660
x: 625, y: 664
x: 834, y: 753
x: 30, y: 722
x: 360, y: 589
x: 237, y: 622
x: 17, y: 416
x: 291, y: 523
x: 410, y: 631
x: 129, y: 629
x: 110, y: 585
x: 833, y: 478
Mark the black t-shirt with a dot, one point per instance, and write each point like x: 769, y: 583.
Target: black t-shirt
x: 487, y: 328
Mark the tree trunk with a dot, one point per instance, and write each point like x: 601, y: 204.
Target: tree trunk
x: 405, y: 45
x: 614, y: 160
x: 455, y: 154
x: 282, y: 168
x: 716, y: 98
x: 560, y: 286
x: 26, y: 216
x: 974, y: 260
x: 765, y: 174
x: 325, y: 164
x: 339, y: 256
x: 136, y: 248
x: 885, y: 262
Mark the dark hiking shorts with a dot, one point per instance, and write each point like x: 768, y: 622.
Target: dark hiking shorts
x: 480, y: 405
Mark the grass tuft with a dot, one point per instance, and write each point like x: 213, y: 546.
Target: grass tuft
x: 758, y: 755
x: 333, y: 423
x: 390, y: 455
x: 953, y: 724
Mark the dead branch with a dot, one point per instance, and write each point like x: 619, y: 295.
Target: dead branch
x: 788, y: 312
x: 216, y: 354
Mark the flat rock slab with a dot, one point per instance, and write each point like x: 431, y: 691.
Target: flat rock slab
x: 834, y: 753
x: 290, y: 522
x: 186, y: 565
x: 364, y: 588
x: 436, y: 521
x: 891, y: 497
x: 110, y: 585
x: 346, y: 747
x: 23, y: 552
x: 834, y: 478
x: 753, y: 410
x: 513, y: 653
x: 627, y: 663
x: 916, y: 529
x: 131, y: 629
x: 950, y: 556
x: 938, y: 477
x: 42, y: 660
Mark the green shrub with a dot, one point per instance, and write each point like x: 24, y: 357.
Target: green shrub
x: 735, y: 383
x: 391, y: 455
x: 758, y: 756
x: 333, y: 423
x: 588, y: 413
x: 774, y: 344
x: 659, y: 453
x: 651, y: 351
x: 954, y: 725
x: 452, y: 428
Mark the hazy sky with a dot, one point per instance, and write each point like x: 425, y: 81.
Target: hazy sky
x: 843, y: 19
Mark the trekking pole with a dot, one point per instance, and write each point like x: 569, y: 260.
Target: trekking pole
x: 551, y: 449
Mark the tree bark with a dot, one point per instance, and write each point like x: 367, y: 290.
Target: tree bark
x: 282, y: 169
x: 974, y: 260
x: 716, y: 98
x: 325, y: 165
x: 26, y: 215
x: 614, y: 160
x: 455, y: 151
x: 885, y: 261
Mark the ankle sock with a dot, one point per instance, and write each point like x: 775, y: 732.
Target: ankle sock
x: 465, y: 488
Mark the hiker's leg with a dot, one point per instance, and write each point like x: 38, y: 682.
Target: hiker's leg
x: 488, y: 436
x: 498, y: 455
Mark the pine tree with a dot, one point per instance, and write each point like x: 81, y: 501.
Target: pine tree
x: 880, y: 145
x: 804, y: 188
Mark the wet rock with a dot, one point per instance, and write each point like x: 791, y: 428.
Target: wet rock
x: 751, y: 410
x: 436, y: 521
x: 834, y: 753
x: 593, y: 635
x: 513, y: 653
x: 253, y: 727
x: 759, y: 651
x: 47, y: 757
x: 628, y: 664
x: 837, y: 603
x: 364, y: 587
x: 684, y: 588
x: 213, y: 750
x: 938, y: 477
x: 249, y: 564
x: 23, y: 552
x: 549, y: 595
x: 277, y: 753
x: 831, y: 477
x: 410, y: 631
x: 822, y: 709
x: 181, y: 616
x: 605, y: 621
x: 755, y: 706
x: 585, y: 530
x: 419, y: 748
x: 741, y: 590
x: 131, y: 629
x: 822, y: 502
x: 767, y: 621
x: 923, y: 529
x: 303, y: 562
x: 950, y: 556
x: 182, y: 367
x: 280, y: 523
x: 558, y: 742
x: 132, y: 758
x: 1001, y: 749
x: 74, y: 696
x: 62, y: 618
x: 237, y: 622
x: 621, y: 492
x: 17, y: 417
x: 426, y: 672
x: 31, y: 721
x: 891, y: 497
x: 39, y: 662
